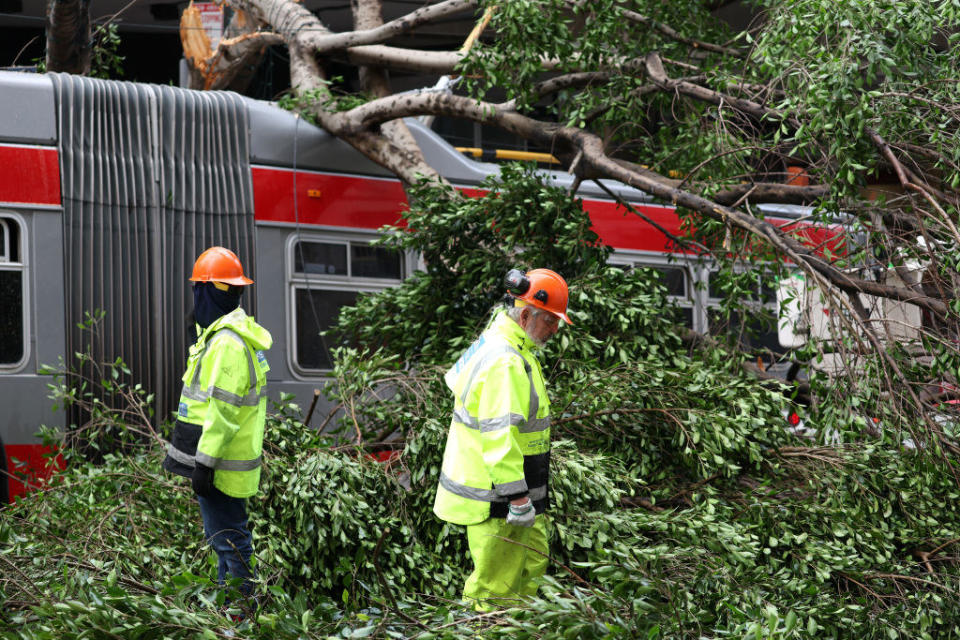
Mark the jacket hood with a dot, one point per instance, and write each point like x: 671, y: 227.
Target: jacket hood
x: 238, y: 320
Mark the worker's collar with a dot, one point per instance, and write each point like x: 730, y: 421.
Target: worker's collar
x: 513, y: 332
x: 232, y: 319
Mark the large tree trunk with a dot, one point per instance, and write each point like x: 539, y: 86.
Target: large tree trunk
x: 368, y: 14
x: 68, y: 36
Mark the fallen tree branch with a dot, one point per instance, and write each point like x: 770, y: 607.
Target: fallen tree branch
x: 324, y: 42
x: 386, y: 587
x: 656, y: 72
x: 672, y: 33
x: 907, y: 183
x: 633, y: 502
x: 549, y: 134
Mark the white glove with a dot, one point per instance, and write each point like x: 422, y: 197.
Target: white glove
x: 522, y: 515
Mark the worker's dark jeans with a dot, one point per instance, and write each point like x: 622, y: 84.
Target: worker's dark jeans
x: 225, y: 525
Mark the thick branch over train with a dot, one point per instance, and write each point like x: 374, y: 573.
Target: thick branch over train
x: 367, y: 117
x: 301, y: 29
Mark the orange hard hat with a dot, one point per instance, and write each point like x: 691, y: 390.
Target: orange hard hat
x: 543, y: 288
x: 217, y: 264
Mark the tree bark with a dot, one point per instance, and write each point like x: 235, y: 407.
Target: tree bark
x: 68, y: 36
x: 368, y: 15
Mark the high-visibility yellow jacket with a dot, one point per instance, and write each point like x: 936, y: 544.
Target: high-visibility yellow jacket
x: 220, y: 420
x: 499, y: 440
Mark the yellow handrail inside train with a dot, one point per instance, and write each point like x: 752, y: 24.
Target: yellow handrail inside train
x: 534, y: 156
x: 509, y: 154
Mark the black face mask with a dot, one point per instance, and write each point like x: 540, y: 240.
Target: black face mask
x: 209, y: 303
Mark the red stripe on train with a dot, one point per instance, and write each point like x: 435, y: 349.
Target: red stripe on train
x: 29, y: 175
x: 30, y: 467
x: 326, y: 199
x: 369, y: 203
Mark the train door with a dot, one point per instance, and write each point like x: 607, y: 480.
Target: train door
x: 31, y: 336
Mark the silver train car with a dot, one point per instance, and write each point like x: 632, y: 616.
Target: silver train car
x: 109, y: 190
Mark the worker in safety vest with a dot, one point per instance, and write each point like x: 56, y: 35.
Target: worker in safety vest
x: 496, y: 464
x: 218, y: 438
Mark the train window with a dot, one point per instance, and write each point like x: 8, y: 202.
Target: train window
x: 675, y: 277
x: 317, y: 310
x: 12, y: 334
x: 755, y: 331
x: 321, y: 257
x: 760, y: 286
x: 328, y: 274
x: 758, y: 329
x: 375, y: 262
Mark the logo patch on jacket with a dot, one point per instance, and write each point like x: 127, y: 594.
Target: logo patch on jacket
x: 182, y: 410
x: 262, y: 359
x: 469, y: 354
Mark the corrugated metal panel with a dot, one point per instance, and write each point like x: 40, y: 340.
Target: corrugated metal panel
x: 151, y: 176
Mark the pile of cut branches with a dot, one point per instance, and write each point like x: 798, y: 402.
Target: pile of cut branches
x: 681, y: 505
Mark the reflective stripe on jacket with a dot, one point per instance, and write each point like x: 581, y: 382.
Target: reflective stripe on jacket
x: 223, y: 405
x: 499, y: 439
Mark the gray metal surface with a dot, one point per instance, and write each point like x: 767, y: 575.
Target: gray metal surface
x: 271, y: 143
x: 26, y: 109
x: 151, y: 176
x: 461, y: 170
x: 23, y: 393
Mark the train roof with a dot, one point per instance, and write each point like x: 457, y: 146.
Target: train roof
x: 277, y: 137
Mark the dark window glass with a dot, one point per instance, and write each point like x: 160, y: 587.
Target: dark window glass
x: 768, y: 292
x: 759, y: 332
x: 674, y: 279
x: 3, y: 247
x: 375, y: 262
x: 456, y: 131
x: 713, y: 285
x: 761, y: 287
x: 316, y: 311
x: 14, y: 230
x: 11, y: 316
x: 686, y: 313
x: 320, y: 257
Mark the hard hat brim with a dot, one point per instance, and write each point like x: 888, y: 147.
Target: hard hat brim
x: 240, y: 281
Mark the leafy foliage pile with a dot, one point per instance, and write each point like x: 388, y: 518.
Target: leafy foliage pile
x: 682, y: 508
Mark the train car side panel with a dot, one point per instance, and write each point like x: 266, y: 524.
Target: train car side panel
x: 326, y: 199
x: 29, y: 175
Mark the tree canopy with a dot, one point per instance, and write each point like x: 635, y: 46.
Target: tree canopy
x: 683, y: 506
x: 846, y: 108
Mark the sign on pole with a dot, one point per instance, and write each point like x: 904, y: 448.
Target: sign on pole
x: 211, y: 17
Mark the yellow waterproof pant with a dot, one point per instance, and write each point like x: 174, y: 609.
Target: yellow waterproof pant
x: 505, y: 572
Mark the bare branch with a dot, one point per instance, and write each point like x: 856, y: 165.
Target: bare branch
x: 670, y: 32
x: 656, y: 72
x: 326, y: 42
x: 907, y: 183
x: 773, y: 192
x: 437, y: 62
x: 594, y: 155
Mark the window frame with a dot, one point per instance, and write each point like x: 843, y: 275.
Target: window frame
x: 711, y: 303
x: 296, y: 281
x: 691, y: 271
x: 21, y: 266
